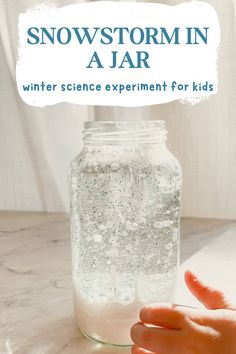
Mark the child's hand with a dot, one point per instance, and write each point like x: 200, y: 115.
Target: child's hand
x: 184, y: 330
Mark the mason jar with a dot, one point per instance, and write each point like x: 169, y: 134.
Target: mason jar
x: 125, y: 208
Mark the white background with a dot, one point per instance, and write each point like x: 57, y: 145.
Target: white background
x: 37, y: 144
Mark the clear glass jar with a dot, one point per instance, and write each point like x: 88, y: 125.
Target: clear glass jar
x: 125, y: 208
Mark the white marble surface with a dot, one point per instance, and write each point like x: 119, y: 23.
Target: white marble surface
x: 36, y: 292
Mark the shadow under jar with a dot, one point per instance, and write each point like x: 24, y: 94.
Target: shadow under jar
x: 125, y: 208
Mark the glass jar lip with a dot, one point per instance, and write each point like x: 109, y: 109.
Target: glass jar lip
x: 125, y: 123
x: 126, y: 132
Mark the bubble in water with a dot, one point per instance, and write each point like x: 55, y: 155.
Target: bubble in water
x: 109, y: 224
x: 175, y: 235
x: 132, y: 226
x: 170, y: 253
x: 115, y: 166
x: 167, y: 223
x: 142, y: 221
x: 169, y: 246
x: 86, y: 217
x: 102, y: 227
x: 157, y: 225
x: 113, y: 252
x: 97, y: 238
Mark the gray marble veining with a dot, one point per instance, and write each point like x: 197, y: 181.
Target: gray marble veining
x: 36, y: 290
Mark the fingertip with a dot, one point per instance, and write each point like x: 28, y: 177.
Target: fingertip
x: 143, y: 313
x: 134, y: 329
x: 190, y: 277
x: 148, y: 312
x: 210, y: 297
x: 189, y: 274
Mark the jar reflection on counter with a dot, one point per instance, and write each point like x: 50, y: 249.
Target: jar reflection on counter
x: 125, y: 206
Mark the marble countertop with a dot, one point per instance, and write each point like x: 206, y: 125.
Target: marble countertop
x: 36, y: 290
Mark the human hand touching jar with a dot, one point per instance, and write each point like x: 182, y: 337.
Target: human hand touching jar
x: 176, y: 329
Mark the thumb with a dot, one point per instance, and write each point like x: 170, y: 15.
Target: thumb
x: 211, y: 298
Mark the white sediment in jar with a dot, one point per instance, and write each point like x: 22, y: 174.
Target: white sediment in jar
x: 108, y: 322
x: 109, y: 319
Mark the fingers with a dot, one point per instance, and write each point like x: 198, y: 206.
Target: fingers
x: 163, y: 315
x: 155, y: 339
x: 173, y: 316
x: 211, y: 298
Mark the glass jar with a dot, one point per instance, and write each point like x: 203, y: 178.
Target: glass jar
x: 125, y: 208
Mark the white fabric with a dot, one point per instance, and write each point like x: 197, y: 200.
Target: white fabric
x: 37, y: 145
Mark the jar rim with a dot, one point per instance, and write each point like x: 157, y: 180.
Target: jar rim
x: 123, y: 123
x: 129, y: 132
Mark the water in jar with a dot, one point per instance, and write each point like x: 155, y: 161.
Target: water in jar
x: 125, y: 235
